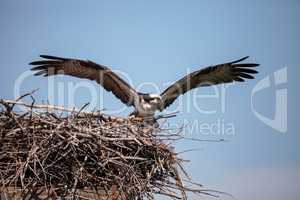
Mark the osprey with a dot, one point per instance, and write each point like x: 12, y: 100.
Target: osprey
x: 145, y: 104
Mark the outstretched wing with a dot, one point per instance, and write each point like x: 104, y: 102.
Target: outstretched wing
x: 222, y: 73
x: 89, y: 70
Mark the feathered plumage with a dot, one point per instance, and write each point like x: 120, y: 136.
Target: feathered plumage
x: 145, y: 104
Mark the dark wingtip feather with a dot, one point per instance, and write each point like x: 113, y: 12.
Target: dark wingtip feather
x: 40, y: 62
x: 52, y: 57
x: 40, y: 73
x: 244, y: 75
x: 246, y: 70
x: 38, y: 68
x: 239, y: 60
x: 32, y: 63
x: 247, y: 65
x: 239, y: 79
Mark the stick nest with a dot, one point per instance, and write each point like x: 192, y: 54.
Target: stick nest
x: 45, y: 154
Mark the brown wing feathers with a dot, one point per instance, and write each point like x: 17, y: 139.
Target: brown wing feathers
x: 227, y: 72
x: 86, y: 69
x: 222, y: 73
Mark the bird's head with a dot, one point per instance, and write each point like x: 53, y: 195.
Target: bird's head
x: 155, y: 99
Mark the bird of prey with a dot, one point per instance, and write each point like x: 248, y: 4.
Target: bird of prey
x: 145, y: 104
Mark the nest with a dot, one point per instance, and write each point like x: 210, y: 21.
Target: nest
x: 45, y: 154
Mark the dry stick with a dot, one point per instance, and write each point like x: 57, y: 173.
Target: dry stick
x: 43, y: 106
x: 118, y: 151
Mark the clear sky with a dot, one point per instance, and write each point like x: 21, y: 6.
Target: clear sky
x: 160, y: 41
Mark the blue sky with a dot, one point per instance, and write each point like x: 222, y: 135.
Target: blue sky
x: 159, y: 41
